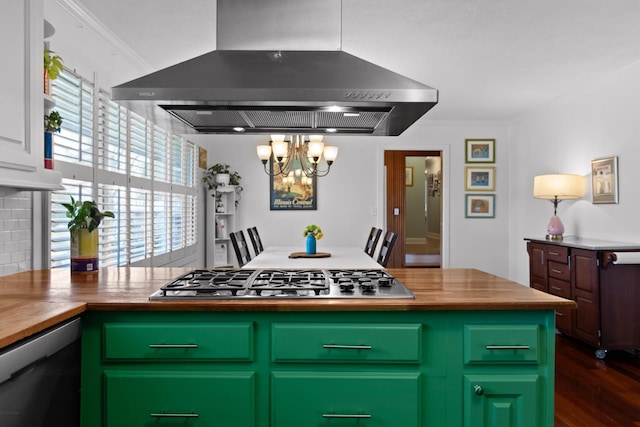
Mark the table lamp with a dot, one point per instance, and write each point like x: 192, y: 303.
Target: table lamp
x: 557, y: 187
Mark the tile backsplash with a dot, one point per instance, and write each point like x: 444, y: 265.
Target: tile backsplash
x: 16, y: 215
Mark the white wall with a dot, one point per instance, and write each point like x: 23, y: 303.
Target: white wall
x: 355, y: 187
x: 564, y: 136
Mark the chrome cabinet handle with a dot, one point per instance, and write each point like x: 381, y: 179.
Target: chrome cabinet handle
x: 173, y: 345
x: 348, y: 347
x: 174, y: 415
x: 346, y: 415
x: 477, y: 389
x: 554, y: 253
x: 557, y: 271
x: 507, y: 347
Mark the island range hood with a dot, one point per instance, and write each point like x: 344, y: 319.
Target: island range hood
x: 278, y: 68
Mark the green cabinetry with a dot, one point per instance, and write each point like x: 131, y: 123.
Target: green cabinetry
x: 318, y: 368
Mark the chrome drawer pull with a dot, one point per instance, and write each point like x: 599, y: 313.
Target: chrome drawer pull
x: 346, y: 415
x: 173, y: 345
x: 348, y: 347
x: 177, y: 415
x: 557, y: 271
x: 507, y: 347
x: 554, y: 253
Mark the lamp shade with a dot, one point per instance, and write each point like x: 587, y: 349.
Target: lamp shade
x: 560, y: 186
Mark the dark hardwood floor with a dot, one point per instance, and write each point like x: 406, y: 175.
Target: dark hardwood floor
x: 592, y: 392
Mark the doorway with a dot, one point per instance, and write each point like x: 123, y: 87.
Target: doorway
x: 423, y: 211
x: 414, y: 207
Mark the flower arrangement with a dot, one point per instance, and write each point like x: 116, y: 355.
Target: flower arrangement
x: 314, y: 230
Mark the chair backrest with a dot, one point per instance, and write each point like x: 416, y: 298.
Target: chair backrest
x: 240, y: 247
x: 372, y: 241
x: 255, y: 240
x: 387, y: 246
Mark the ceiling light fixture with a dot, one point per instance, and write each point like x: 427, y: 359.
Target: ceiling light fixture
x: 297, y: 156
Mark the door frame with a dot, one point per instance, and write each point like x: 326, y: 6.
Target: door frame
x: 393, y: 161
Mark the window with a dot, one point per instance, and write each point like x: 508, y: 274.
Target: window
x: 143, y: 174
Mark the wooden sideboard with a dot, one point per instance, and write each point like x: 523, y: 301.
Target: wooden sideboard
x: 605, y: 289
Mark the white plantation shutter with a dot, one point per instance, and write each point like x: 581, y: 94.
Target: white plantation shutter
x: 161, y: 224
x: 112, y: 138
x: 141, y: 236
x: 140, y: 155
x: 74, y: 101
x: 143, y: 174
x: 114, y: 232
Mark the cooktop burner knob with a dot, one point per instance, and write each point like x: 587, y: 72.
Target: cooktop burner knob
x: 346, y: 287
x: 385, y: 281
x: 367, y: 288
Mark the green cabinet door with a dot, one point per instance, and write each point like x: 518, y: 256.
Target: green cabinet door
x: 192, y: 399
x: 502, y: 401
x: 305, y: 399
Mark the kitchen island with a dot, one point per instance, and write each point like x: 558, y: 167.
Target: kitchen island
x: 470, y: 349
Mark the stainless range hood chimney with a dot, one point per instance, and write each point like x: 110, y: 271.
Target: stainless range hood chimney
x: 278, y: 68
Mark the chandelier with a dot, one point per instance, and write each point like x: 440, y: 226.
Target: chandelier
x: 297, y: 157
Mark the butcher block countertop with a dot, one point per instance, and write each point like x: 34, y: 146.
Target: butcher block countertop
x: 35, y: 300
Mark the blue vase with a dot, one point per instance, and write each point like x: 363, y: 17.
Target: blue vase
x: 311, y: 244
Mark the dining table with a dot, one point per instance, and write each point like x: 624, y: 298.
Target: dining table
x: 337, y: 257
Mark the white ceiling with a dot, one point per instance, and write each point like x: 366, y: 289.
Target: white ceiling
x: 490, y: 59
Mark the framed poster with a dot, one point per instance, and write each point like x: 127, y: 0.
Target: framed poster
x: 294, y: 191
x: 408, y: 176
x: 604, y: 180
x: 480, y: 178
x: 480, y: 150
x: 480, y: 206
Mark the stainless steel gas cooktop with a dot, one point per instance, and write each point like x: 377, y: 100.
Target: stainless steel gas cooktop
x: 262, y: 284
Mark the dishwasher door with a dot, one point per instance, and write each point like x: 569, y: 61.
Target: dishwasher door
x: 40, y: 379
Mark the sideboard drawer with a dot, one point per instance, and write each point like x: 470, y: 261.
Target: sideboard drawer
x: 490, y: 344
x: 559, y: 271
x: 560, y: 288
x: 558, y: 254
x: 321, y: 342
x: 179, y: 341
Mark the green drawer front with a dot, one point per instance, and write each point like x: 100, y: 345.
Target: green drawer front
x: 179, y: 341
x: 398, y: 343
x: 206, y: 399
x: 304, y: 399
x: 502, y: 344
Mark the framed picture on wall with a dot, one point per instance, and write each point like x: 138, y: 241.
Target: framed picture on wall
x: 408, y: 176
x: 480, y: 178
x: 480, y: 150
x: 294, y: 192
x: 480, y: 206
x: 604, y: 180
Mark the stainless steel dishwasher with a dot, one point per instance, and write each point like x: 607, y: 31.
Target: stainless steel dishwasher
x: 40, y: 379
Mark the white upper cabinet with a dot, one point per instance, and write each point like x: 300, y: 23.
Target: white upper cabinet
x: 22, y: 106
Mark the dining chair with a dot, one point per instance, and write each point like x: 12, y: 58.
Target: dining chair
x: 388, y: 243
x: 255, y: 240
x: 372, y: 241
x: 240, y: 247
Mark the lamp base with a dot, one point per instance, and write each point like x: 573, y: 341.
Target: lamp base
x: 553, y: 236
x: 555, y: 228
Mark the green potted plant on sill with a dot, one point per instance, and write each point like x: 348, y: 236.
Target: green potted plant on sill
x: 52, y: 123
x: 84, y: 219
x: 219, y: 175
x: 52, y: 68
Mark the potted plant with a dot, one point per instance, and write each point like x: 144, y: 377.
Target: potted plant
x: 52, y: 123
x: 219, y: 175
x: 52, y: 68
x: 312, y: 233
x: 84, y: 219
